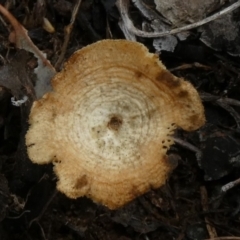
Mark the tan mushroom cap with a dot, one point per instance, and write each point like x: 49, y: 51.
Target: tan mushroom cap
x: 108, y: 122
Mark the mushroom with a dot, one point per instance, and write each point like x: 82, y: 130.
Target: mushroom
x: 109, y: 120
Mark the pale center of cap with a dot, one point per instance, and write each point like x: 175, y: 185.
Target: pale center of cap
x: 113, y: 127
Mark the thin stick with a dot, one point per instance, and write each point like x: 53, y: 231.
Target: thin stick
x: 187, y: 145
x: 21, y: 38
x: 187, y: 66
x: 207, y: 97
x: 68, y: 30
x: 231, y: 101
x: 36, y: 219
x: 204, y: 201
x: 42, y: 231
x: 230, y: 185
x: 231, y: 111
x: 123, y: 9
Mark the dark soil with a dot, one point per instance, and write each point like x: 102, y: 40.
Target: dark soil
x: 190, y: 206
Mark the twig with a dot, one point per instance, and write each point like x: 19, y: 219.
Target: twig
x: 108, y: 29
x: 190, y: 147
x: 128, y: 35
x: 3, y: 22
x: 207, y: 97
x: 230, y: 185
x: 193, y: 65
x: 224, y: 103
x: 17, y: 217
x: 42, y: 231
x: 68, y: 30
x: 231, y: 111
x: 187, y: 145
x: 204, y: 200
x: 122, y: 6
x: 21, y: 38
x: 231, y: 101
x: 44, y: 209
x: 148, y: 12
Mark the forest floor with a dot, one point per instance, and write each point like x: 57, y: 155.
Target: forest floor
x: 191, y: 206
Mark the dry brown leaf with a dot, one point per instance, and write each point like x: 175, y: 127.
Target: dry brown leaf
x: 45, y: 71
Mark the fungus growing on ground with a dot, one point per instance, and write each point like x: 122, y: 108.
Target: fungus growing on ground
x: 108, y: 122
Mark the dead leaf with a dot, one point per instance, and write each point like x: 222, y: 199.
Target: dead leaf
x: 14, y: 77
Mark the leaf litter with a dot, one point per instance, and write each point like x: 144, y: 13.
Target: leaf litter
x: 200, y: 200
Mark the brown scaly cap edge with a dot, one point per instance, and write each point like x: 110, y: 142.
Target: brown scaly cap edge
x: 108, y: 122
